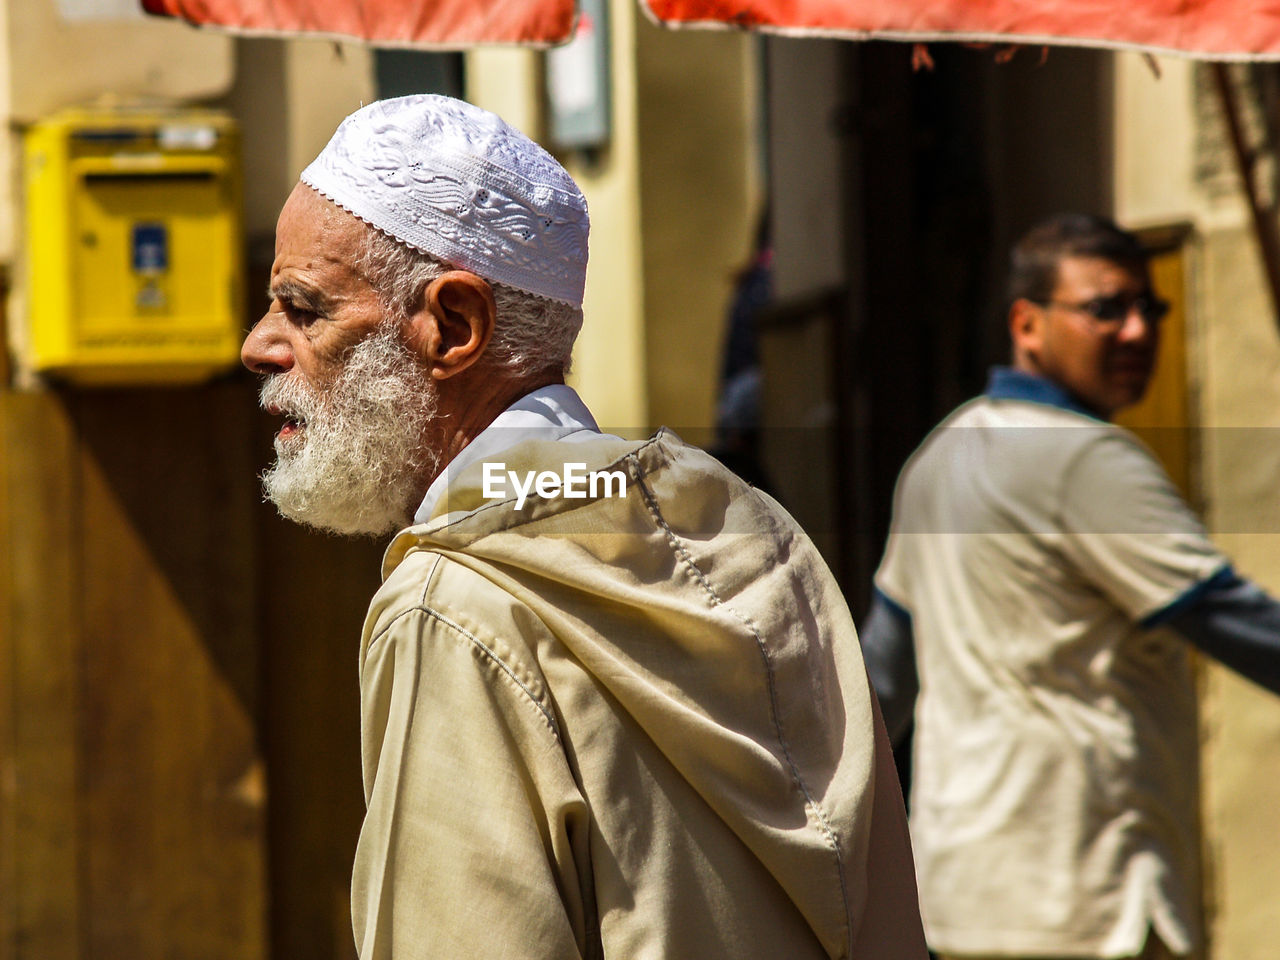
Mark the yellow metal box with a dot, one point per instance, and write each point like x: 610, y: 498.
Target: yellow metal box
x: 133, y: 246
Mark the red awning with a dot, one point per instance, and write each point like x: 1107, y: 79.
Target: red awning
x: 419, y: 23
x: 1211, y: 29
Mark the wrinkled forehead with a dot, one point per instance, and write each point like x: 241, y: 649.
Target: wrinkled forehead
x: 318, y: 245
x: 313, y: 231
x: 306, y: 211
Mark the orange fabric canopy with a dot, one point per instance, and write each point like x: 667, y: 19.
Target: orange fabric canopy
x: 418, y: 23
x: 1210, y: 29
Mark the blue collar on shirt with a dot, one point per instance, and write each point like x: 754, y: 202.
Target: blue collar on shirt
x: 1006, y: 383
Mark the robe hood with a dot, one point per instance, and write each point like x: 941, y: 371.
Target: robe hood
x: 708, y: 617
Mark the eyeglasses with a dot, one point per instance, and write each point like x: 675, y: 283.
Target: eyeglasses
x: 1112, y: 311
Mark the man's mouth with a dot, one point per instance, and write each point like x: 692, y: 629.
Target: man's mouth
x: 1133, y: 364
x: 1132, y: 370
x: 293, y: 423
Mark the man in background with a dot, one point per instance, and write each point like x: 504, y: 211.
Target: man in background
x: 610, y: 698
x: 1034, y: 605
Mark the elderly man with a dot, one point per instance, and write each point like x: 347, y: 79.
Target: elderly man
x: 1039, y: 582
x: 611, y: 700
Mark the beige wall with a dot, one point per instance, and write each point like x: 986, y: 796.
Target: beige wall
x: 609, y: 367
x: 324, y: 81
x: 289, y: 97
x: 8, y: 154
x: 699, y: 203
x: 673, y: 200
x: 47, y: 64
x: 1172, y: 165
x: 609, y: 363
x: 51, y: 63
x: 1240, y: 408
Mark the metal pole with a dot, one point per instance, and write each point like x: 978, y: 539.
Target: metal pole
x: 1264, y: 221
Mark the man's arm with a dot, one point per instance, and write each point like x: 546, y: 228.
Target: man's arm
x: 475, y: 840
x: 1134, y: 536
x: 888, y: 648
x: 1128, y: 531
x: 1235, y: 622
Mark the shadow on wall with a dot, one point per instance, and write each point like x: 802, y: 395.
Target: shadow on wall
x: 185, y: 735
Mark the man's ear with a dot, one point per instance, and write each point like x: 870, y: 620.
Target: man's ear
x: 453, y: 323
x: 1026, y: 327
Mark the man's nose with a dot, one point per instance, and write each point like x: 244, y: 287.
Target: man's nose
x: 265, y: 350
x: 1136, y: 326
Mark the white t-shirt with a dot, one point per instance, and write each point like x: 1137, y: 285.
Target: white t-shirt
x: 1054, y: 792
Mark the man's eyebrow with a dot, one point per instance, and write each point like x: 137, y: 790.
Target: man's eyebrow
x: 298, y: 295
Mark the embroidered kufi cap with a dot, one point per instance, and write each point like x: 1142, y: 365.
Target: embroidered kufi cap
x: 457, y: 182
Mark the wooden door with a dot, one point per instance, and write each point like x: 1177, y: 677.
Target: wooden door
x: 1164, y: 418
x: 133, y: 802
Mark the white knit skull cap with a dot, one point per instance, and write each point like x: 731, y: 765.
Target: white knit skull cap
x: 457, y: 182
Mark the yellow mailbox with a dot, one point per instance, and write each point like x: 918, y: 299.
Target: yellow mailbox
x: 133, y: 246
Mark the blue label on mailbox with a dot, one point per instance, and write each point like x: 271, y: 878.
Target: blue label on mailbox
x: 150, y: 248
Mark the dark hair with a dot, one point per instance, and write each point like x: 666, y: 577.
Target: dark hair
x: 1033, y: 266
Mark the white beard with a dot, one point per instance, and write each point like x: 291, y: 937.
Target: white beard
x: 357, y: 464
